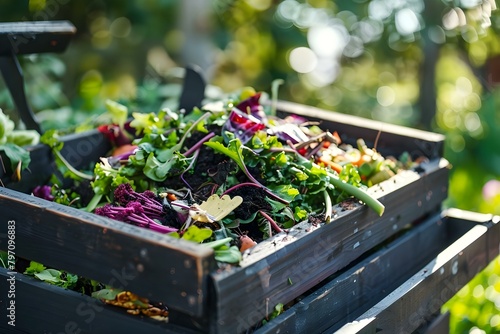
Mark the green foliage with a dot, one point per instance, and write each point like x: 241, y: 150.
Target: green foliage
x: 223, y: 252
x: 52, y: 276
x: 476, y: 305
x: 11, y: 142
x: 278, y: 309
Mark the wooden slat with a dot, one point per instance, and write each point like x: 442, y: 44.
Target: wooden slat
x: 35, y: 37
x: 393, y: 139
x: 417, y: 301
x: 81, y: 150
x: 440, y: 325
x: 306, y: 254
x: 45, y: 308
x: 346, y: 296
x: 145, y: 262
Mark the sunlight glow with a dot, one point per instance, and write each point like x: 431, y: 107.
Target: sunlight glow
x: 407, y: 22
x: 327, y: 41
x: 303, y: 60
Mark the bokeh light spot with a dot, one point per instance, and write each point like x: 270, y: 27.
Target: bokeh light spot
x: 437, y: 35
x: 478, y: 291
x: 327, y: 41
x: 469, y: 34
x: 457, y: 143
x: 303, y: 60
x: 407, y: 22
x: 379, y: 10
x: 120, y: 27
x: 288, y: 10
x: 259, y: 4
x: 386, y: 96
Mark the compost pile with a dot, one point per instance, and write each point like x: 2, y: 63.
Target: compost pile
x: 227, y: 175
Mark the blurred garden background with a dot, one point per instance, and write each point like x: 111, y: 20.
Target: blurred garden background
x: 429, y: 64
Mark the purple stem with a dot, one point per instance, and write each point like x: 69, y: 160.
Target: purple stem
x: 274, y: 225
x: 313, y: 151
x: 257, y: 185
x: 144, y: 221
x: 197, y: 146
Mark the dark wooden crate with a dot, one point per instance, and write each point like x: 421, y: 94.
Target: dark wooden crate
x: 184, y: 275
x: 414, y: 306
x: 436, y: 258
x: 417, y: 272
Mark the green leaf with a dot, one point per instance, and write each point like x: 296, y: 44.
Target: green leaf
x: 108, y: 294
x: 51, y: 138
x: 6, y: 126
x: 228, y: 255
x: 23, y: 137
x: 157, y: 170
x: 300, y: 214
x: 34, y: 267
x: 71, y: 281
x: 218, y: 243
x: 231, y: 151
x: 196, y: 234
x: 15, y: 154
x: 118, y: 112
x: 49, y: 275
x: 285, y: 191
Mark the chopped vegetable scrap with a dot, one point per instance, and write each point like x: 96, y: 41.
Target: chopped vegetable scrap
x: 228, y: 175
x: 132, y: 303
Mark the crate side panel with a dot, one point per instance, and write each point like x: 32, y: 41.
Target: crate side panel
x: 417, y: 301
x: 389, y: 138
x: 124, y: 256
x: 81, y: 150
x: 43, y: 308
x: 295, y: 262
x: 348, y: 295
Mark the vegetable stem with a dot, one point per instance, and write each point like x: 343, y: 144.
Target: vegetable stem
x: 328, y: 207
x: 197, y: 146
x: 72, y: 169
x: 271, y: 221
x: 360, y: 194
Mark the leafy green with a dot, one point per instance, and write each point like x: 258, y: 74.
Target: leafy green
x: 278, y: 309
x: 118, y: 112
x: 16, y: 155
x: 228, y: 254
x: 52, y: 139
x: 196, y: 234
x: 34, y: 268
x: 52, y: 276
x: 11, y: 142
x: 107, y: 294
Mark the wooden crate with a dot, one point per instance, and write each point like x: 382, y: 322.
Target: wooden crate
x: 184, y: 275
x: 400, y: 287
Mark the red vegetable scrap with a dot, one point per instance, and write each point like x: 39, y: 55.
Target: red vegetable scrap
x: 43, y: 192
x: 141, y: 209
x: 246, y: 243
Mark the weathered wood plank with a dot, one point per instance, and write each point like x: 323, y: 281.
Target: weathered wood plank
x: 393, y: 139
x: 82, y: 150
x: 124, y: 256
x: 44, y: 308
x: 307, y: 254
x: 35, y: 37
x: 418, y: 300
x: 347, y: 295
